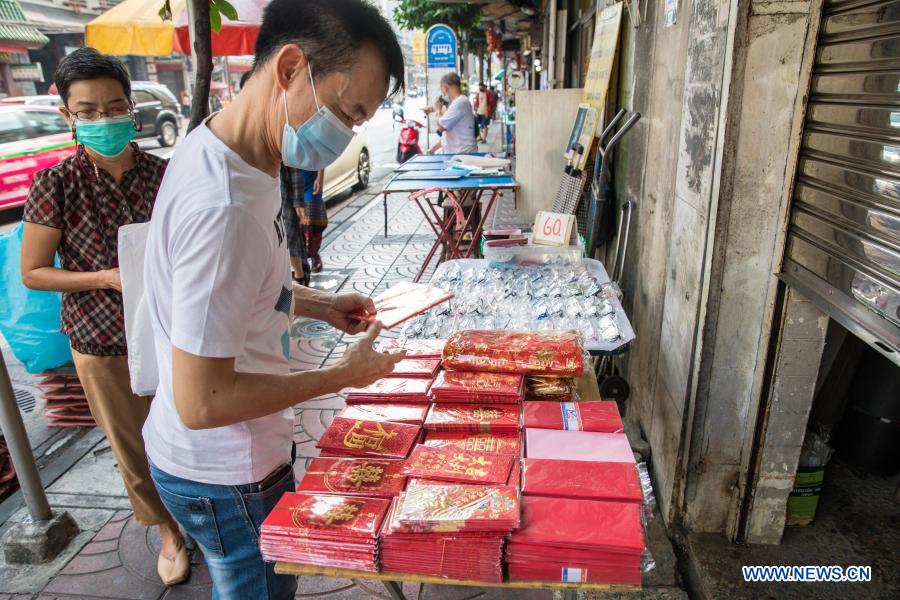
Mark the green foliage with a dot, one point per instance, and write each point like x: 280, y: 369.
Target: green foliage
x: 422, y: 14
x: 217, y: 9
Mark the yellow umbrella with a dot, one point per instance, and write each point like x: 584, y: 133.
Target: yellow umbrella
x: 134, y: 27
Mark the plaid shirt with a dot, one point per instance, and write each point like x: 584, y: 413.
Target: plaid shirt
x: 89, y: 207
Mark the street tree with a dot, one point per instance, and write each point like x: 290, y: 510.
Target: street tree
x: 465, y: 19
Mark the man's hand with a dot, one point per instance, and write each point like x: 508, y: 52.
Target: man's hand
x: 361, y: 365
x: 340, y: 311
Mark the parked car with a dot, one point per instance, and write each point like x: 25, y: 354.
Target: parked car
x: 157, y: 111
x: 42, y: 100
x: 352, y: 168
x: 32, y: 138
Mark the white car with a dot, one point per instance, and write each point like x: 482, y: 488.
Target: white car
x: 351, y: 169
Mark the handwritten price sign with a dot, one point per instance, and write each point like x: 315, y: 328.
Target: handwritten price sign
x: 552, y: 229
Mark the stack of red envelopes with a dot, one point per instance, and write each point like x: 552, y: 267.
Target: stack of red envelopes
x: 414, y: 348
x: 612, y: 481
x: 458, y: 508
x: 65, y: 402
x: 380, y: 478
x: 325, y: 530
x: 602, y: 416
x: 453, y: 464
x: 460, y: 555
x: 418, y: 368
x: 556, y: 353
x: 379, y: 439
x: 574, y: 541
x: 555, y: 389
x: 577, y: 445
x: 392, y: 390
x: 399, y: 413
x: 499, y: 443
x: 478, y: 387
x: 473, y: 418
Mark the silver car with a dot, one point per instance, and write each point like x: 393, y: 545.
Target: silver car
x: 352, y: 168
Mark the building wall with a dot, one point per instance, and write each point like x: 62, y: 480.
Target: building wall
x: 709, y: 165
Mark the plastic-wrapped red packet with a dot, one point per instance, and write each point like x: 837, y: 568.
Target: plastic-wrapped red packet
x: 452, y: 464
x: 473, y: 417
x: 501, y: 443
x: 380, y: 439
x: 612, y: 481
x: 474, y: 386
x: 445, y: 508
x: 398, y: 413
x: 556, y: 353
x: 414, y: 348
x: 402, y: 302
x: 302, y: 515
x: 370, y: 477
x: 602, y: 416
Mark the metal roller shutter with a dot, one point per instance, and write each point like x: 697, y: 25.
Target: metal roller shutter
x: 843, y: 244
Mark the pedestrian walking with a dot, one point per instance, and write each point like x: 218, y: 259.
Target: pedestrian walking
x: 185, y: 101
x: 75, y: 209
x: 457, y: 124
x: 218, y: 286
x: 485, y: 103
x: 313, y: 216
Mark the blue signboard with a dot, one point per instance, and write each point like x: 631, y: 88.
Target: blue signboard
x: 440, y: 47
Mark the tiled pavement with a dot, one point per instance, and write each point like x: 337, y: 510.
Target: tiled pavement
x: 119, y: 560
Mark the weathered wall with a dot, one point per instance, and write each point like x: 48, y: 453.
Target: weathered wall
x: 540, y: 146
x: 721, y: 93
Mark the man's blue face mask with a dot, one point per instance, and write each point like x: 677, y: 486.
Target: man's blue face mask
x: 316, y: 143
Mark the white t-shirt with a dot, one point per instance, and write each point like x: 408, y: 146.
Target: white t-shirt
x: 459, y: 127
x: 217, y: 277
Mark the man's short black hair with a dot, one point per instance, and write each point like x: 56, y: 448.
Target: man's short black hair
x: 330, y: 32
x: 88, y: 63
x: 244, y: 78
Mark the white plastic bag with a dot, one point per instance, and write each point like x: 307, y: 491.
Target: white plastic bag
x: 138, y: 330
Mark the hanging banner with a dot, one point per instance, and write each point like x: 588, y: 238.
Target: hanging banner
x: 603, y: 52
x: 440, y: 46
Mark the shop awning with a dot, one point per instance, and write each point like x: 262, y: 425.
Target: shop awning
x: 235, y: 38
x: 15, y: 32
x: 134, y: 27
x: 51, y: 19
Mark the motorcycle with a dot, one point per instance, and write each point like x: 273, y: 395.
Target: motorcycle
x: 408, y: 146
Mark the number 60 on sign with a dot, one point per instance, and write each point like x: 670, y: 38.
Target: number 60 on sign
x: 552, y: 229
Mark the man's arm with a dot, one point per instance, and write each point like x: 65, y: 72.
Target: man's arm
x: 210, y: 393
x: 39, y: 244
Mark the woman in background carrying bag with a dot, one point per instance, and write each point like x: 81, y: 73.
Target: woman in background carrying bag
x: 76, y: 208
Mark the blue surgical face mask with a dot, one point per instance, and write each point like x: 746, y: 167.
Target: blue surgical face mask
x: 445, y: 98
x: 108, y: 136
x: 316, y: 143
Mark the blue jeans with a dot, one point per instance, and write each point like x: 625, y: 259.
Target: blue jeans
x: 224, y: 520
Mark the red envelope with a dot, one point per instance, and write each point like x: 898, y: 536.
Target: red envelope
x: 602, y: 416
x: 473, y: 417
x: 531, y: 353
x: 356, y: 437
x: 473, y: 386
x: 301, y: 515
x: 577, y: 445
x: 423, y: 368
x: 499, y: 443
x: 354, y: 477
x: 402, y: 302
x: 391, y: 389
x: 452, y: 464
x: 458, y: 507
x: 581, y: 479
x: 581, y: 524
x: 414, y: 348
x: 398, y: 413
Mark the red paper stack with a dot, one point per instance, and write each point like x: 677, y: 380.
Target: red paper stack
x: 557, y: 353
x: 450, y: 530
x: 398, y: 413
x: 357, y: 437
x: 554, y: 389
x: 324, y: 530
x: 577, y: 541
x: 473, y: 418
x: 392, y: 390
x: 402, y: 302
x: 499, y: 443
x: 577, y: 445
x: 8, y: 482
x: 418, y: 368
x: 613, y: 481
x: 414, y: 348
x: 354, y: 477
x: 65, y: 402
x: 453, y: 464
x: 600, y: 416
x: 473, y: 386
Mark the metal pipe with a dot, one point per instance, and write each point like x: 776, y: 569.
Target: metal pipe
x: 20, y: 449
x: 551, y: 48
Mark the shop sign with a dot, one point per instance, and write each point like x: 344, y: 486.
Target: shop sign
x: 440, y: 44
x: 418, y: 48
x: 516, y: 80
x: 603, y: 52
x: 27, y: 72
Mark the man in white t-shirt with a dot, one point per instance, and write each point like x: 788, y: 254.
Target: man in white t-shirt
x: 457, y: 124
x: 217, y: 275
